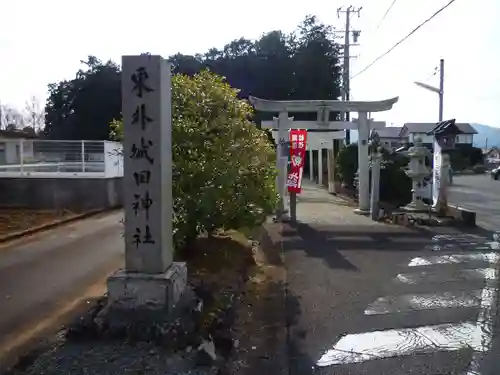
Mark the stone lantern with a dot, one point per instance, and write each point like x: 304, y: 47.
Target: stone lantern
x: 418, y: 172
x: 375, y: 158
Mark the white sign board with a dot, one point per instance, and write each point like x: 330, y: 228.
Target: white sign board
x: 436, y: 175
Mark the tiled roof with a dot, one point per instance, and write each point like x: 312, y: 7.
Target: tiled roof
x: 425, y: 127
x: 389, y: 132
x: 16, y: 134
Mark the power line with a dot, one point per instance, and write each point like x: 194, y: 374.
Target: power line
x: 402, y: 40
x: 385, y: 15
x: 432, y: 73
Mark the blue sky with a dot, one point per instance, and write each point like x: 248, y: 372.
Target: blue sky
x: 43, y: 41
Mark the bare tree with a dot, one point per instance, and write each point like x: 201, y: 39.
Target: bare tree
x: 31, y: 119
x: 34, y: 114
x: 11, y: 118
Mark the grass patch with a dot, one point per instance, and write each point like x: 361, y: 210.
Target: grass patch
x: 218, y: 268
x: 14, y: 220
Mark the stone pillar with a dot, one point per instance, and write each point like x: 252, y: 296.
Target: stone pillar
x: 364, y: 188
x: 332, y: 183
x: 331, y: 171
x: 320, y: 166
x: 150, y: 279
x: 284, y: 190
x: 375, y: 195
x: 293, y: 206
x: 281, y: 160
x: 311, y: 165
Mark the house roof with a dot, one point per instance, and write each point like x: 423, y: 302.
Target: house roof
x: 389, y: 132
x: 16, y: 134
x: 425, y: 127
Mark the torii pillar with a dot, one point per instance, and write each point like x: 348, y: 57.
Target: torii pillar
x: 323, y: 108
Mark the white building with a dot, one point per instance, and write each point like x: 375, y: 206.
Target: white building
x: 12, y: 142
x: 411, y: 130
x: 390, y: 137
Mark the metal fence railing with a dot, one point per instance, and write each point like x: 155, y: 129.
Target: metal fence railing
x: 46, y: 158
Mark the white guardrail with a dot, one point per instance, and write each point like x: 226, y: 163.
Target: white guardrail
x: 60, y: 159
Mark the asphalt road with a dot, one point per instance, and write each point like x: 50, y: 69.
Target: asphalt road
x: 47, y: 276
x: 371, y: 298
x: 481, y: 194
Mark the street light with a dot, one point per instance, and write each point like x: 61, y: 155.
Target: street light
x: 438, y: 90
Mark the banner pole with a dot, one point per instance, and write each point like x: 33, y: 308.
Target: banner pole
x: 298, y: 142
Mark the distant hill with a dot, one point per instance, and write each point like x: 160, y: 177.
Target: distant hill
x: 485, y: 132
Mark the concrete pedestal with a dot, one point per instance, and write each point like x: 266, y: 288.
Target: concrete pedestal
x: 133, y: 290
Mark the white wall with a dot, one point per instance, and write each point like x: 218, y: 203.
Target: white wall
x: 113, y: 159
x: 461, y: 138
x: 316, y: 140
x: 12, y: 153
x: 11, y: 150
x: 465, y: 138
x: 391, y: 143
x: 424, y: 137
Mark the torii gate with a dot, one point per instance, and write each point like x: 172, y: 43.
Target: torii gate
x: 323, y: 109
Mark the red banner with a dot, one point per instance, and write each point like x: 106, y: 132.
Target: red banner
x: 298, y: 142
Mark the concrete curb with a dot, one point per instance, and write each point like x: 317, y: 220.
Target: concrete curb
x: 464, y: 216
x: 54, y: 224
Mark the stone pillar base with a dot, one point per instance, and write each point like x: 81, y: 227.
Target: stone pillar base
x: 416, y: 207
x: 360, y: 211
x: 285, y: 218
x: 332, y: 187
x: 127, y: 290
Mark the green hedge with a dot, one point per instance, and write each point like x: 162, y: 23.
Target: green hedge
x: 395, y: 185
x: 223, y: 165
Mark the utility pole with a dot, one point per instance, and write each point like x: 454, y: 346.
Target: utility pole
x: 347, y: 57
x: 441, y: 89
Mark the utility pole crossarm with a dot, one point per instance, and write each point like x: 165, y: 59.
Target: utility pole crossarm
x: 427, y: 87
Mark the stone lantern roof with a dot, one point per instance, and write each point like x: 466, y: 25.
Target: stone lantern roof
x: 443, y: 128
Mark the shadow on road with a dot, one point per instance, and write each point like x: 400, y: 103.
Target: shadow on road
x: 299, y: 361
x: 327, y: 242
x: 316, y: 244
